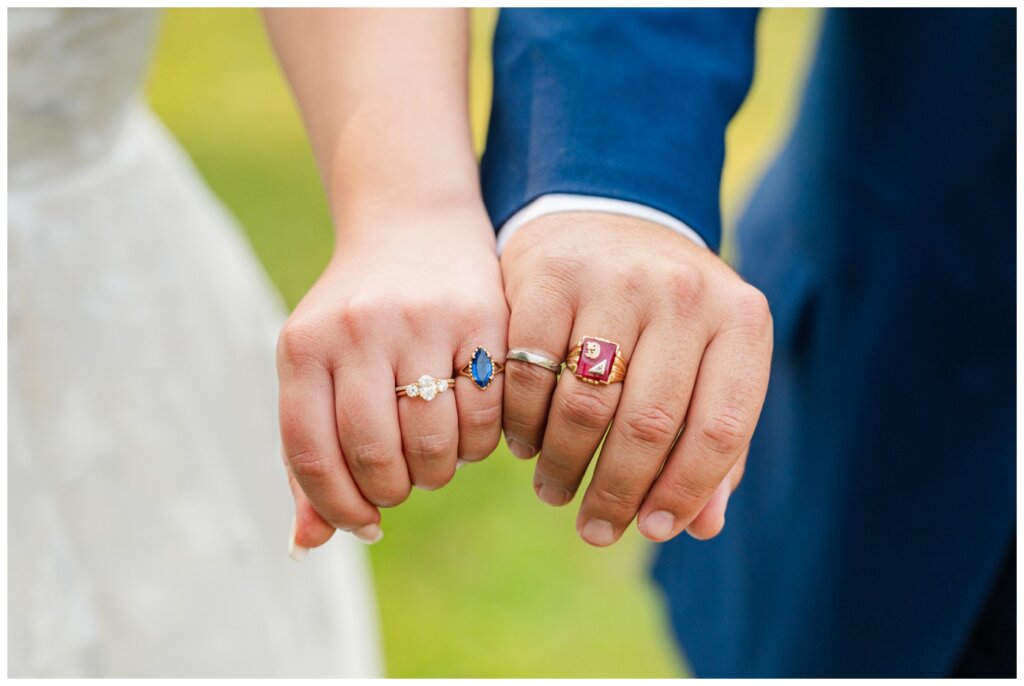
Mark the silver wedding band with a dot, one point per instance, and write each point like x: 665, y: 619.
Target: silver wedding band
x: 533, y: 358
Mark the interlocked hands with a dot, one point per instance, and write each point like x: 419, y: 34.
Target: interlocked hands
x: 697, y: 340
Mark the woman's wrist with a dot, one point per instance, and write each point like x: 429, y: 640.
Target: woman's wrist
x: 455, y: 220
x: 405, y: 205
x: 396, y: 155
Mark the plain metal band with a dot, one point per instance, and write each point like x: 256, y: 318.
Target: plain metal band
x: 533, y: 358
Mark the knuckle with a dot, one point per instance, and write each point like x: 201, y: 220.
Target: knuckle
x: 418, y: 316
x: 297, y: 343
x: 392, y: 493
x: 366, y: 316
x: 356, y: 319
x: 688, y: 494
x: 523, y: 375
x: 649, y: 425
x: 724, y: 433
x: 520, y: 427
x: 475, y: 313
x: 587, y: 408
x: 562, y: 267
x: 616, y: 502
x: 635, y: 282
x: 558, y: 276
x: 309, y: 465
x: 751, y: 310
x: 371, y: 456
x: 560, y: 471
x: 480, y: 419
x: 685, y: 284
x: 432, y: 447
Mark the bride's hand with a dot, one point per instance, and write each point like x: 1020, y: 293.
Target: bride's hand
x: 405, y: 295
x: 414, y: 285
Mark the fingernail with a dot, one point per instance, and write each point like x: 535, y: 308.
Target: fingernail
x: 371, y: 533
x: 295, y: 551
x: 553, y: 495
x: 520, y: 449
x: 460, y: 463
x: 659, y: 525
x: 598, y: 532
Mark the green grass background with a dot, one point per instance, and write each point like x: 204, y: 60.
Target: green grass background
x: 480, y: 578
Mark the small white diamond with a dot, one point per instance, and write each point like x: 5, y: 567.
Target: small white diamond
x: 412, y: 390
x: 426, y: 380
x: 442, y: 385
x: 428, y: 392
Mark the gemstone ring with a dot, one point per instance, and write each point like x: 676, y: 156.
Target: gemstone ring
x: 596, y: 361
x: 426, y: 387
x: 481, y: 369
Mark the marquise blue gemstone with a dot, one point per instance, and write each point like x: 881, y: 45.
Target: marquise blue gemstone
x: 481, y: 368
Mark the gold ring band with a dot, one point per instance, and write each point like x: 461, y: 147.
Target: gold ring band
x: 426, y: 387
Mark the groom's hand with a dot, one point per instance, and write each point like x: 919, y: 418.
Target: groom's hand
x: 698, y: 343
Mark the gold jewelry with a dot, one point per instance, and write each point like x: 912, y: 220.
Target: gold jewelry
x: 481, y: 368
x: 427, y: 387
x: 596, y: 361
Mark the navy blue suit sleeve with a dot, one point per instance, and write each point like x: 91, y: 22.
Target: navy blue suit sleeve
x: 626, y: 104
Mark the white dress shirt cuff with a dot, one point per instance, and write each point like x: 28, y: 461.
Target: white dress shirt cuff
x: 567, y: 202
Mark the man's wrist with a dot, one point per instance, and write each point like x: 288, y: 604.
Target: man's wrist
x: 552, y: 203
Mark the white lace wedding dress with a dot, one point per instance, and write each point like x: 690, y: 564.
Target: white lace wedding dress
x: 148, y: 512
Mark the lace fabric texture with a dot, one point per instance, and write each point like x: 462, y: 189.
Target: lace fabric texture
x: 148, y: 508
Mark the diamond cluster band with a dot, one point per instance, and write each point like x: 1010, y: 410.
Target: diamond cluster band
x: 481, y: 370
x: 426, y: 387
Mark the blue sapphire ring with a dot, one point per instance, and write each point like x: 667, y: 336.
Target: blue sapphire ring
x: 481, y: 369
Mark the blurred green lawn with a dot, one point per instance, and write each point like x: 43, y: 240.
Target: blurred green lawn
x: 480, y: 578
